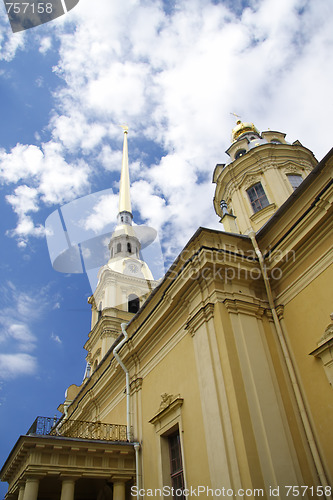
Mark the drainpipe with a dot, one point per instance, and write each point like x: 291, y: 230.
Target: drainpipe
x: 291, y: 370
x: 137, y: 457
x: 116, y: 355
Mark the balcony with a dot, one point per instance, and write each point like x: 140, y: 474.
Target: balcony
x: 48, y: 426
x: 91, y: 455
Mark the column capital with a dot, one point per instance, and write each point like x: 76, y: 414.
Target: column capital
x: 68, y: 477
x: 121, y: 479
x: 33, y: 477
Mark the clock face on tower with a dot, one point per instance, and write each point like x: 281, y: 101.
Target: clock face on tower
x: 133, y: 268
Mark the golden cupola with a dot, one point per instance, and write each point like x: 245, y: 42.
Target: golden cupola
x: 243, y: 128
x: 264, y: 170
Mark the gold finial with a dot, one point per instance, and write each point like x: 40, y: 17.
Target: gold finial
x: 125, y: 128
x: 237, y: 116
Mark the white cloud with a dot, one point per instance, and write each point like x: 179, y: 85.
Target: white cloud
x: 9, y: 44
x: 44, y: 177
x: 45, y: 44
x: 102, y: 214
x: 23, y: 161
x: 22, y: 334
x: 56, y: 338
x: 16, y: 365
x: 20, y: 311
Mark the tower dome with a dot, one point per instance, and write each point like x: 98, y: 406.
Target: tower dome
x: 263, y: 172
x: 243, y: 128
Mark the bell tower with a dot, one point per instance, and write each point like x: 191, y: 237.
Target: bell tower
x: 125, y: 281
x: 263, y: 172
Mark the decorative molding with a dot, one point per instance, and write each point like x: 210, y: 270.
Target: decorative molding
x: 237, y: 306
x: 292, y: 169
x: 89, y: 458
x: 280, y: 311
x: 263, y: 213
x: 324, y: 351
x: 203, y: 315
x: 328, y: 334
x: 251, y: 180
x: 96, y: 354
x: 168, y: 405
x: 136, y: 384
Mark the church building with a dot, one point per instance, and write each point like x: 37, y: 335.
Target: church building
x: 217, y: 380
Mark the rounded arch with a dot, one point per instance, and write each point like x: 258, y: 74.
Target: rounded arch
x: 133, y: 303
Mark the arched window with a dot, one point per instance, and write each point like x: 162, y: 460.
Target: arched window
x: 118, y: 247
x: 100, y: 310
x: 129, y: 248
x: 133, y: 303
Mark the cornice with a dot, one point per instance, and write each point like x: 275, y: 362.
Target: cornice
x: 18, y: 469
x: 237, y: 306
x: 200, y: 317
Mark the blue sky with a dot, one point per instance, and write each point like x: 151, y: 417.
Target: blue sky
x: 173, y: 71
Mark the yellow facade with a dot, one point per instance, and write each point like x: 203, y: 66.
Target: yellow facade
x: 231, y: 353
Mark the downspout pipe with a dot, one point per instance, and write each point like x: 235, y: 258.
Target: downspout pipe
x: 137, y: 463
x: 116, y: 355
x: 291, y: 370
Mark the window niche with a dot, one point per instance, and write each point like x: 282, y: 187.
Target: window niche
x: 257, y: 197
x: 169, y: 432
x: 99, y: 311
x: 133, y: 303
x: 295, y: 180
x: 176, y: 462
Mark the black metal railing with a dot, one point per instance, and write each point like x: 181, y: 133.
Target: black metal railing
x: 42, y: 426
x: 48, y: 426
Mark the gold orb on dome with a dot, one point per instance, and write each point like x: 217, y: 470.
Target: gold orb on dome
x: 242, y: 128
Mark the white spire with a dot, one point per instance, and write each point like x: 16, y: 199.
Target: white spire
x: 124, y: 190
